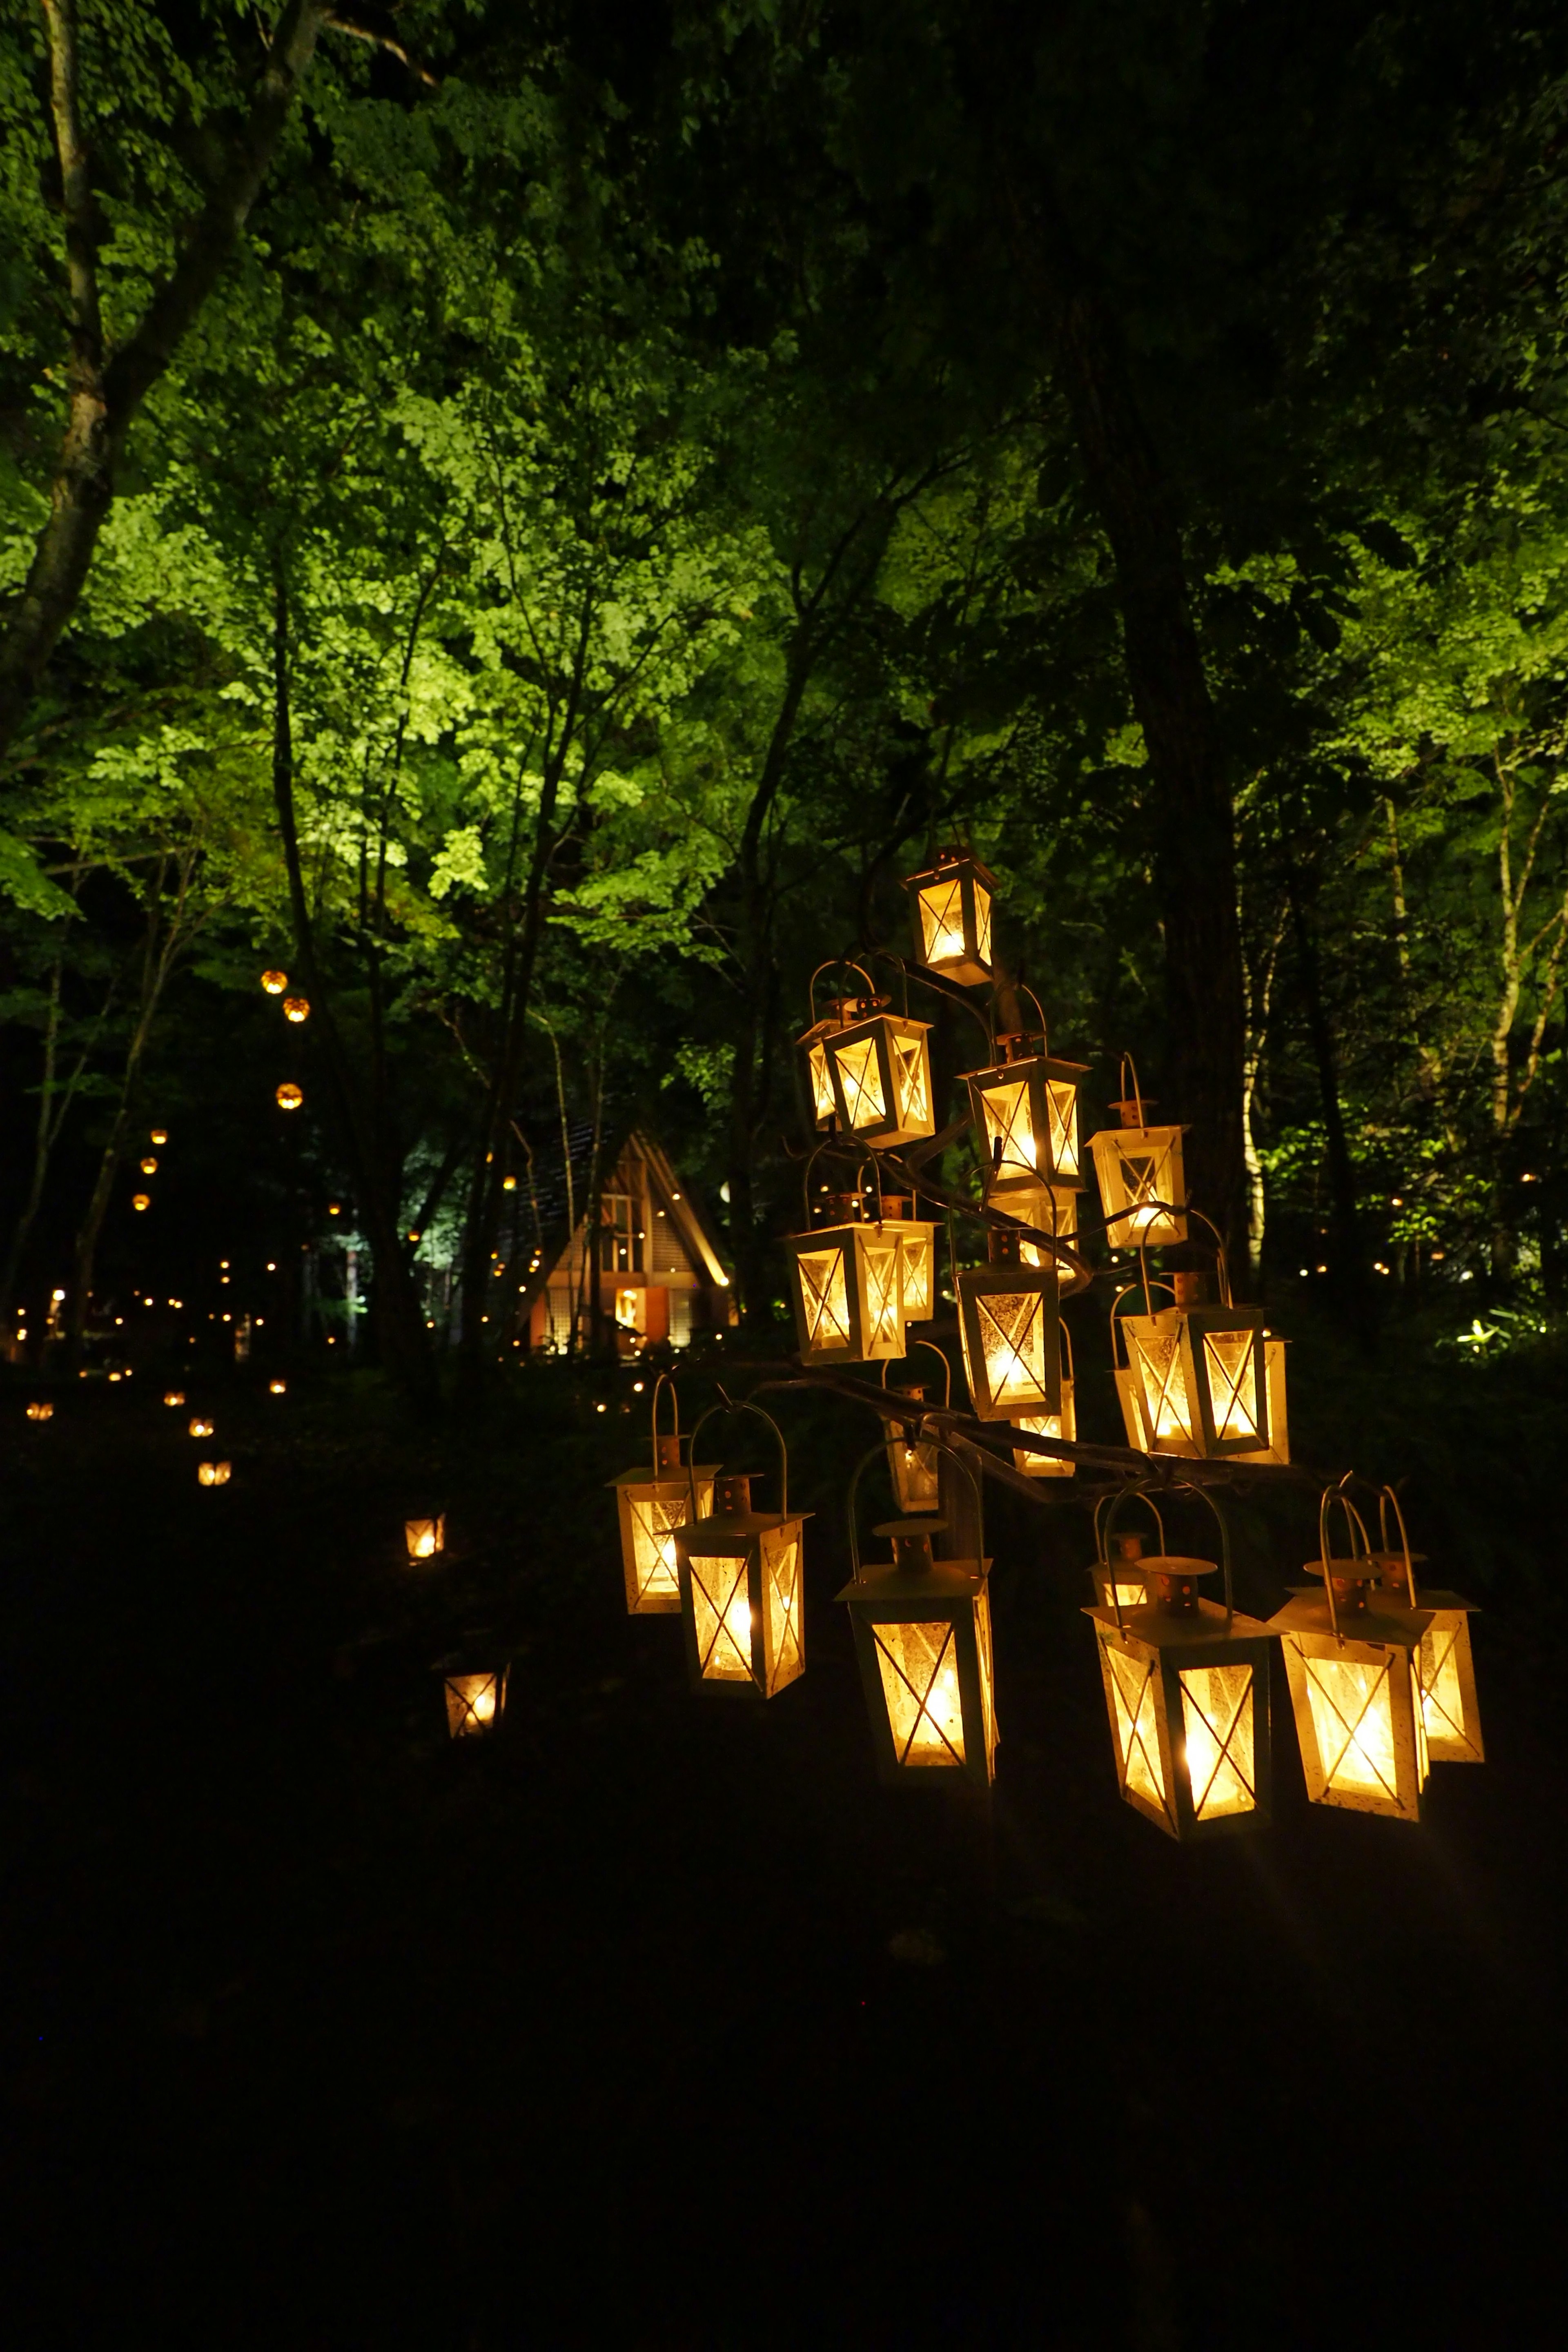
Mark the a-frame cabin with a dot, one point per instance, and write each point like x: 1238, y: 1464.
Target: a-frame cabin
x: 660, y: 1273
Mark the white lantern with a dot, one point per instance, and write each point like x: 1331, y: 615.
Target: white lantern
x: 1010, y: 1326
x: 1199, y: 1376
x: 880, y: 1069
x: 742, y: 1591
x: 1142, y: 1188
x: 1061, y: 1425
x: 952, y: 917
x: 1027, y: 1112
x: 650, y: 1508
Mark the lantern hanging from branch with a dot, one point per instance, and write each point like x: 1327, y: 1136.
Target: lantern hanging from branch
x: 917, y: 1258
x: 847, y: 1283
x: 1199, y: 1377
x: 277, y: 1388
x: 1010, y: 1325
x: 150, y: 1167
x: 1186, y: 1691
x: 742, y: 1589
x: 175, y: 1396
x: 212, y: 1474
x: 923, y: 1637
x: 951, y: 907
x: 1445, y: 1668
x: 296, y: 1009
x: 425, y: 1537
x: 141, y: 1199
x: 652, y: 1502
x: 1027, y: 1113
x: 913, y: 1463
x: 1279, y: 1446
x: 475, y: 1699
x: 160, y: 1135
x: 290, y: 1096
x: 1352, y: 1658
x: 274, y: 982
x: 1061, y: 1425
x: 881, y: 1069
x: 1142, y: 1188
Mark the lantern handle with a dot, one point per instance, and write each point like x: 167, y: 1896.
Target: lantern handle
x: 665, y: 1381
x: 1121, y: 1495
x: 1102, y: 1538
x: 835, y: 963
x: 1224, y: 1548
x: 743, y: 1404
x: 1385, y: 1498
x: 1222, y: 1263
x: 877, y: 1172
x: 1126, y: 1292
x: 1128, y: 1064
x: 1353, y: 1522
x: 940, y: 987
x: 876, y: 1452
x: 1029, y: 992
x: 808, y: 1164
x: 940, y: 1354
x: 1067, y: 1339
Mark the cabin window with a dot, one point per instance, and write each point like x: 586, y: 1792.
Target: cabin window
x: 621, y: 1240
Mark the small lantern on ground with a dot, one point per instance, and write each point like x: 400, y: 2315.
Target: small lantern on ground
x: 175, y: 1396
x: 1352, y: 1658
x: 1199, y: 1376
x: 1445, y: 1668
x: 212, y: 1474
x: 742, y: 1590
x: 40, y: 1412
x: 1061, y: 1425
x: 923, y: 1637
x: 1142, y: 1188
x: 1186, y: 1691
x: 1027, y: 1112
x: 880, y: 1064
x: 200, y: 1427
x: 277, y: 1388
x: 951, y: 907
x: 425, y: 1537
x: 652, y: 1502
x: 1010, y: 1325
x: 476, y: 1698
x: 847, y: 1283
x: 289, y: 1095
x: 296, y: 1009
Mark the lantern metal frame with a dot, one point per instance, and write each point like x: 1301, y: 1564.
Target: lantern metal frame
x: 464, y: 1687
x: 949, y: 1601
x: 977, y: 1287
x: 880, y: 1067
x: 1353, y: 1673
x: 1120, y: 1581
x: 1447, y: 1668
x: 646, y: 1496
x: 851, y: 1312
x: 1157, y: 1666
x: 1145, y: 1205
x: 1175, y: 1355
x: 764, y: 1557
x: 913, y: 1462
x: 957, y: 887
x: 1033, y: 1141
x: 917, y: 1251
x: 1052, y: 1465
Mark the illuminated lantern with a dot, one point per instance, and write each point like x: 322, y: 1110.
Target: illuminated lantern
x: 274, y: 982
x: 212, y: 1474
x: 289, y: 1095
x: 1352, y: 1659
x: 881, y: 1069
x: 917, y: 1259
x: 1026, y: 1111
x: 509, y: 1183
x: 1119, y: 1579
x: 159, y: 1136
x: 1186, y: 1691
x: 922, y: 1636
x: 40, y: 1412
x: 175, y: 1396
x: 813, y: 1041
x: 296, y: 1009
x: 148, y: 1168
x: 652, y: 1502
x: 1062, y: 1425
x: 474, y: 1702
x: 1445, y: 1668
x: 425, y: 1537
x: 952, y: 917
x: 1279, y: 1446
x: 912, y: 1463
x: 847, y: 1283
x: 277, y: 1388
x: 199, y: 1428
x: 1198, y: 1376
x: 1142, y: 1189
x: 141, y: 1199
x: 742, y: 1590
x: 1010, y: 1326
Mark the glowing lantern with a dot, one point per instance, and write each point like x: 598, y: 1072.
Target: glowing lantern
x: 141, y: 1199
x: 1011, y: 1329
x: 425, y: 1537
x: 148, y: 1168
x: 277, y: 1388
x: 1142, y: 1189
x: 1026, y: 1111
x: 40, y: 1412
x: 824, y: 1102
x: 296, y: 1009
x: 922, y: 1636
x: 1198, y: 1376
x: 952, y: 917
x: 199, y: 1427
x: 1279, y: 1446
x: 913, y: 1463
x: 474, y: 1702
x: 175, y: 1396
x: 212, y: 1474
x: 1119, y: 1579
x: 1445, y: 1668
x: 881, y: 1069
x: 847, y: 1282
x: 159, y: 1136
x: 1186, y: 1691
x: 509, y: 1183
x: 1354, y: 1669
x: 289, y: 1097
x: 1062, y: 1425
x: 742, y: 1590
x: 274, y: 982
x: 650, y: 1504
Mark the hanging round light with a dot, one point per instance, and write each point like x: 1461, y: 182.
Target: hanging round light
x: 296, y: 1009
x: 289, y: 1095
x: 274, y: 982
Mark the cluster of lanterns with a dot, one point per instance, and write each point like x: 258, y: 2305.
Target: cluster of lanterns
x: 158, y: 1137
x: 1381, y: 1676
x: 296, y: 1010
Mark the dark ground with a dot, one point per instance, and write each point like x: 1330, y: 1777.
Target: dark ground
x: 656, y: 2021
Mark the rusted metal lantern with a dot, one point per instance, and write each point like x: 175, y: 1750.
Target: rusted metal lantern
x: 1445, y: 1668
x: 1352, y: 1658
x: 923, y: 1637
x: 1062, y: 1424
x: 1142, y: 1188
x: 425, y: 1537
x: 847, y: 1283
x: 651, y: 1503
x: 475, y: 1696
x: 741, y: 1587
x: 1186, y: 1691
x: 1010, y: 1324
x: 1026, y: 1111
x: 952, y: 907
x: 1199, y: 1375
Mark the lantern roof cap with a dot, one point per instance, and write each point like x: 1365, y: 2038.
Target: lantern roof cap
x: 945, y: 1581
x: 950, y: 854
x: 1052, y: 1063
x: 722, y: 1527
x: 1205, y: 1622
x: 645, y: 1475
x: 1306, y: 1611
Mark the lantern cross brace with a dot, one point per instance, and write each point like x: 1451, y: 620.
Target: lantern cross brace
x: 1351, y: 1730
x: 1223, y: 1755
x: 921, y: 1698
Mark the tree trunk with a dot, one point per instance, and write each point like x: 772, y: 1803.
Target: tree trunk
x: 1347, y: 1278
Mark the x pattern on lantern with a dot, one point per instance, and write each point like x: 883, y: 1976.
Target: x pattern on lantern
x: 917, y: 1275
x: 823, y: 1288
x: 1059, y: 1102
x: 1012, y: 1334
x: 471, y: 1704
x: 918, y: 1665
x: 1137, y: 1730
x: 941, y: 919
x: 882, y: 1297
x: 821, y: 1083
x: 983, y: 923
x: 1233, y: 1382
x: 1140, y: 1174
x: 652, y: 1546
x: 909, y: 1070
x: 1352, y: 1715
x: 1216, y: 1717
x: 722, y: 1605
x: 1009, y: 1123
x: 1165, y: 1384
x: 1442, y: 1694
x: 780, y: 1603
x: 862, y: 1082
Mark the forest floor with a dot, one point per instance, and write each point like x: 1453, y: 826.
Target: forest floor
x: 655, y: 2020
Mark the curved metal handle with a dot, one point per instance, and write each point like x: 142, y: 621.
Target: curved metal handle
x: 834, y: 963
x: 1128, y: 1064
x: 730, y: 1405
x: 665, y: 1381
x: 1384, y: 1500
x: 1126, y: 1292
x: 1353, y: 1522
x: 876, y: 1452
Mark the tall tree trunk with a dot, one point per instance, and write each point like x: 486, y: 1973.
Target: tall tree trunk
x: 1259, y: 1002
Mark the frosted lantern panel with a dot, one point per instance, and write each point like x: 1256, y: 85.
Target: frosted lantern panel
x: 471, y: 1704
x: 1352, y: 1716
x: 981, y: 923
x: 1165, y: 1384
x: 823, y: 1104
x: 910, y: 1072
x: 862, y: 1082
x: 653, y: 1547
x: 722, y: 1608
x: 1135, y: 1725
x: 1142, y: 1180
x: 916, y: 1479
x: 987, y: 1684
x: 942, y: 923
x: 919, y: 1666
x: 1453, y: 1738
x: 1009, y: 1123
x: 1013, y: 1338
x: 917, y: 1271
x: 882, y: 1298
x: 782, y: 1609
x: 1231, y: 1360
x: 1063, y: 1425
x: 825, y: 1296
x: 1218, y: 1718
x: 1062, y: 1103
